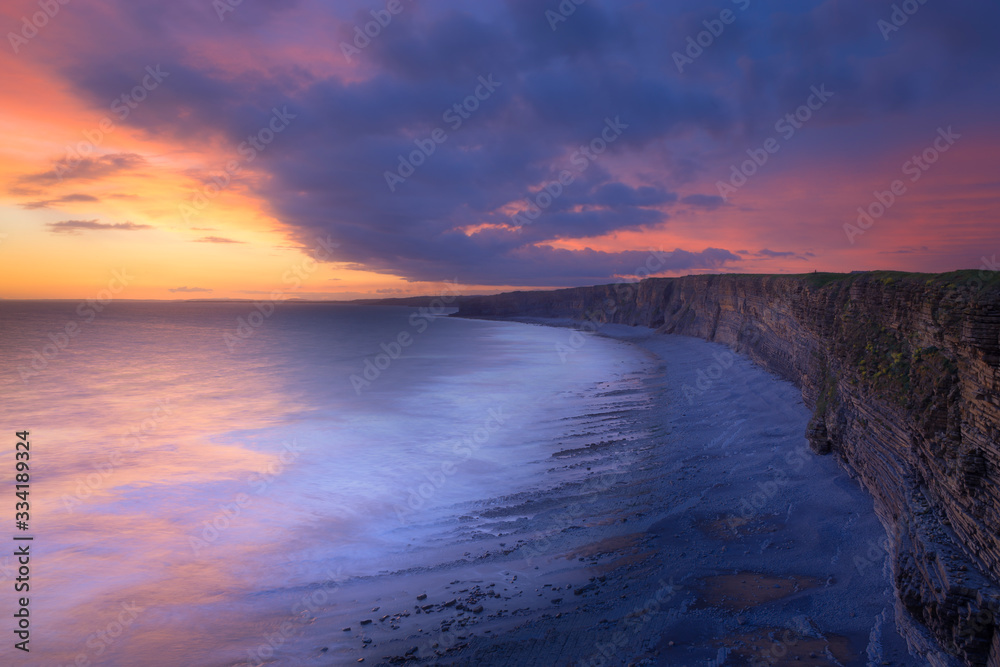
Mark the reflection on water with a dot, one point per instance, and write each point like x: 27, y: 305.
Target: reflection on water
x: 180, y: 483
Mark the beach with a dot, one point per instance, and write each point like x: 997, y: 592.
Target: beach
x: 501, y: 493
x: 699, y: 529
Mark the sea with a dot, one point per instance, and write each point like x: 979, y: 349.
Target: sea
x: 193, y: 465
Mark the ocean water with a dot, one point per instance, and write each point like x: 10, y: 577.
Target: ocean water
x: 192, y: 461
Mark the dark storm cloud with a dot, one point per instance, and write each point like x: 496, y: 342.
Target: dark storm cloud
x: 556, y: 90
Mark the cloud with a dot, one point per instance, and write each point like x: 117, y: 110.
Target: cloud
x: 67, y: 199
x: 556, y: 267
x: 86, y: 169
x: 710, y: 202
x: 216, y: 239
x: 783, y: 254
x: 906, y: 251
x: 78, y: 226
x: 189, y: 290
x: 324, y: 175
x: 775, y: 253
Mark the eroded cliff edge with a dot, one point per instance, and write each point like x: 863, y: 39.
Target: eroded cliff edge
x: 903, y: 372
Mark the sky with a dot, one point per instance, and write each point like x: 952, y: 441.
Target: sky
x: 337, y: 150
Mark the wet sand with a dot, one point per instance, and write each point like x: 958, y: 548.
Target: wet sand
x: 703, y: 533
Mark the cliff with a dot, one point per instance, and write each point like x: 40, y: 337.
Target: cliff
x: 903, y: 373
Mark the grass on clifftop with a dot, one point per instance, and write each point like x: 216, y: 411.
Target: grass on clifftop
x: 979, y: 278
x: 819, y: 280
x: 968, y: 277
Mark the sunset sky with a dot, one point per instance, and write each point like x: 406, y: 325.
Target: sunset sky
x: 209, y: 149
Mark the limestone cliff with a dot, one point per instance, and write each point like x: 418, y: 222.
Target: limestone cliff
x: 903, y: 371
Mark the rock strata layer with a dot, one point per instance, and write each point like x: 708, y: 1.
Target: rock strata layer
x: 903, y: 373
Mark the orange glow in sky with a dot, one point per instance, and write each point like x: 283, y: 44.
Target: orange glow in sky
x: 118, y: 130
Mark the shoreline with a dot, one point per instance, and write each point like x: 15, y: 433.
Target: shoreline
x: 708, y: 535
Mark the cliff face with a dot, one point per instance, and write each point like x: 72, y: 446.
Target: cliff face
x: 903, y: 372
